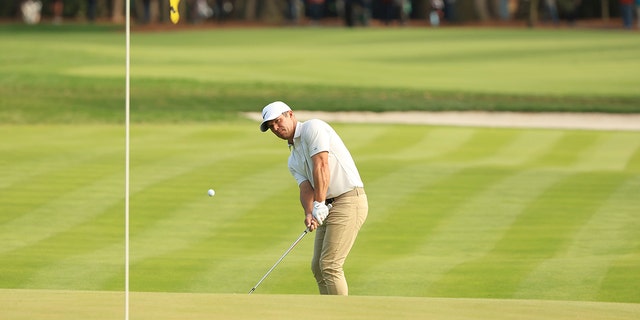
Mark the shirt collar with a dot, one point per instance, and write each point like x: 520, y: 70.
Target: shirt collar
x: 296, y: 134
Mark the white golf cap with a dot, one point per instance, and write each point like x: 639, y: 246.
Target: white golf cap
x: 272, y: 111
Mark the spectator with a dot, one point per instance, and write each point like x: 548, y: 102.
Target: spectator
x: 404, y: 8
x: 482, y: 10
x: 626, y: 11
x: 552, y: 8
x: 316, y: 10
x: 363, y: 11
x: 503, y: 10
x: 355, y: 12
x: 146, y: 11
x: 638, y: 12
x: 91, y: 10
x: 450, y: 10
x: 30, y: 10
x: 387, y: 11
x: 293, y: 9
x: 395, y: 9
x: 570, y: 8
x: 58, y: 7
x: 348, y: 13
x: 437, y: 7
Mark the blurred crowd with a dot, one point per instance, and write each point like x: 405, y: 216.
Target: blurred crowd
x: 317, y: 12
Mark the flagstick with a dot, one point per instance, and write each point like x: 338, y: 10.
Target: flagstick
x: 127, y: 154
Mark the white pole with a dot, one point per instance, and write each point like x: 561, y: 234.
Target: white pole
x: 127, y: 155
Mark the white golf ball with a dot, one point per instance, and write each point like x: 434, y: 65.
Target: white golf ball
x: 211, y: 192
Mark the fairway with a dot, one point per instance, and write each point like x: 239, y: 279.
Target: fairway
x: 455, y: 212
x: 205, y: 75
x: 464, y: 222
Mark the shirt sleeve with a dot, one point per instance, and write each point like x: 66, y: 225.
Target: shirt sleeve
x: 300, y: 178
x: 316, y: 136
x: 298, y: 175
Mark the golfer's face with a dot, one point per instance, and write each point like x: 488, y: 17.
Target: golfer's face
x: 282, y: 126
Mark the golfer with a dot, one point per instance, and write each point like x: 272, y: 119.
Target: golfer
x: 326, y: 174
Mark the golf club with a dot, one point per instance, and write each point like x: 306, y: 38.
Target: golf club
x: 284, y: 255
x: 277, y: 262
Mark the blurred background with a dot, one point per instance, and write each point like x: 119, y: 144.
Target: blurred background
x: 609, y: 13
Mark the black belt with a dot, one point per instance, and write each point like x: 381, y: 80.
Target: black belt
x: 356, y: 190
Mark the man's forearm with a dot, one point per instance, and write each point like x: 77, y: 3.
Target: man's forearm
x: 321, y: 176
x: 306, y: 196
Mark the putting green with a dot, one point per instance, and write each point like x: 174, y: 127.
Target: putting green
x: 98, y: 305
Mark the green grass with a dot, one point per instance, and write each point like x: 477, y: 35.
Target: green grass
x: 496, y: 221
x: 209, y: 75
x: 46, y: 305
x: 483, y: 216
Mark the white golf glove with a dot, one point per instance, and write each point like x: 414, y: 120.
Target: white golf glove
x: 320, y: 211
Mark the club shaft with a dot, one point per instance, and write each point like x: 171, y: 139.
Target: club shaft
x: 279, y: 260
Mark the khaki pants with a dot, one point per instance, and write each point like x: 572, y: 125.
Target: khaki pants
x: 334, y: 240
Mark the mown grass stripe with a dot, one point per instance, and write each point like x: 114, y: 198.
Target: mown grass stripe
x: 617, y: 286
x: 439, y: 197
x: 84, y: 271
x: 49, y: 163
x: 436, y: 142
x: 55, y: 274
x: 567, y: 150
x: 472, y: 228
x: 82, y: 202
x: 360, y: 139
x: 65, y: 264
x: 633, y: 165
x: 525, y: 147
x: 483, y: 71
x: 293, y: 274
x: 48, y: 147
x: 182, y: 184
x: 392, y: 141
x: 36, y: 189
x: 609, y: 152
x: 580, y: 272
x: 192, y: 218
x: 481, y: 145
x: 226, y: 243
x: 389, y: 193
x: 411, y: 177
x: 209, y: 230
x: 543, y: 230
x: 23, y: 265
x: 241, y: 183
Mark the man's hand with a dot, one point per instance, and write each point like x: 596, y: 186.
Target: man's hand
x: 311, y: 223
x: 320, y: 211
